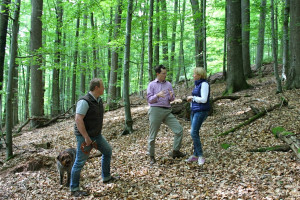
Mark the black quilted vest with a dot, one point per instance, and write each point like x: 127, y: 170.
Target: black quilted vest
x: 93, y: 119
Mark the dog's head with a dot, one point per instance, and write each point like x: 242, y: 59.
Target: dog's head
x: 65, y: 158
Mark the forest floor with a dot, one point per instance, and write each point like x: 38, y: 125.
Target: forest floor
x: 232, y: 173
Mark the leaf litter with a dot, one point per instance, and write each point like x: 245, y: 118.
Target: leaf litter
x: 234, y: 173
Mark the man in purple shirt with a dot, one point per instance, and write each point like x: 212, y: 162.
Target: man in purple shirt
x: 159, y: 95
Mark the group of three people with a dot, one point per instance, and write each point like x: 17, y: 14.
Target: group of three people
x: 89, y: 120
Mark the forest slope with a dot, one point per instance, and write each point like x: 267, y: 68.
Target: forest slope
x: 230, y: 173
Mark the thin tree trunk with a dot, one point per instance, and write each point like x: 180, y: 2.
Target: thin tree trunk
x: 84, y: 66
x: 150, y: 43
x: 141, y: 83
x: 128, y: 118
x: 285, y: 56
x: 261, y: 36
x: 164, y: 35
x: 204, y: 34
x: 197, y: 16
x: 3, y: 32
x: 157, y: 33
x: 225, y: 42
x: 174, y: 26
x: 75, y: 62
x: 181, y: 51
x: 274, y: 47
x: 112, y: 91
x: 11, y: 76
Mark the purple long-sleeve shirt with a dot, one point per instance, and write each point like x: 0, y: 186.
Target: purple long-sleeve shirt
x: 155, y: 87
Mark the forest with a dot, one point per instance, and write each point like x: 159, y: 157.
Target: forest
x: 50, y: 50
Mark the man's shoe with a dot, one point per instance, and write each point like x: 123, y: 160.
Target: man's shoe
x: 152, y: 160
x: 176, y: 154
x: 111, y: 180
x: 79, y: 193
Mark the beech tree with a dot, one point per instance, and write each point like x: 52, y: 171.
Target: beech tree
x: 37, y: 86
x: 293, y: 78
x: 261, y: 35
x: 235, y: 74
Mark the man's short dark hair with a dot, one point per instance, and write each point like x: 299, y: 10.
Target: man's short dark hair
x: 158, y: 68
x: 95, y: 82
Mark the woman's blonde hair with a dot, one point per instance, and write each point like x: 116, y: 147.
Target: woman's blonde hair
x: 201, y: 72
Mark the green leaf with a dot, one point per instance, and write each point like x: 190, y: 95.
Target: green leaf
x: 277, y: 130
x: 226, y: 145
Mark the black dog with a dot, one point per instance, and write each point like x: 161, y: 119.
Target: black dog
x: 65, y: 161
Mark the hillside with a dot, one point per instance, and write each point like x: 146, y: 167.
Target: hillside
x: 232, y: 173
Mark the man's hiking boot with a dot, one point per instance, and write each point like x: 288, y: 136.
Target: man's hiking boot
x: 79, y: 193
x: 152, y: 160
x: 176, y: 154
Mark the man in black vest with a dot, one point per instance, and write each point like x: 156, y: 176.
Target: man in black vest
x: 88, y: 127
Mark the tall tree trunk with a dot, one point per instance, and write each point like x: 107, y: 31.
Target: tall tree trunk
x: 84, y: 67
x: 75, y: 62
x: 225, y: 42
x: 164, y: 34
x: 109, y: 48
x: 274, y: 48
x: 293, y: 78
x: 246, y: 37
x: 112, y: 91
x: 204, y: 34
x: 11, y: 75
x: 181, y: 50
x: 157, y: 33
x: 261, y: 36
x: 37, y: 86
x: 3, y: 32
x: 235, y: 76
x: 95, y: 71
x: 128, y: 118
x: 197, y: 15
x: 285, y: 56
x: 141, y: 82
x: 150, y: 43
x: 55, y: 108
x: 174, y: 26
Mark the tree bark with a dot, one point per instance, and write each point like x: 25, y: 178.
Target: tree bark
x: 174, y: 26
x: 198, y: 33
x: 112, y: 91
x: 235, y: 73
x: 274, y: 48
x: 11, y: 75
x: 293, y: 78
x: 75, y: 61
x: 261, y: 33
x: 246, y: 37
x: 150, y: 42
x: 164, y: 35
x: 3, y: 32
x: 157, y: 32
x: 128, y: 118
x: 285, y: 39
x: 55, y: 108
x: 37, y: 86
x: 141, y: 81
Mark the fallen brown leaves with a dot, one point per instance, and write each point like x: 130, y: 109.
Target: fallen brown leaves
x: 233, y: 173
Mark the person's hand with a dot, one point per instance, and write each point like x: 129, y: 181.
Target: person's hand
x: 171, y: 93
x: 161, y: 94
x: 88, y: 141
x: 189, y: 98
